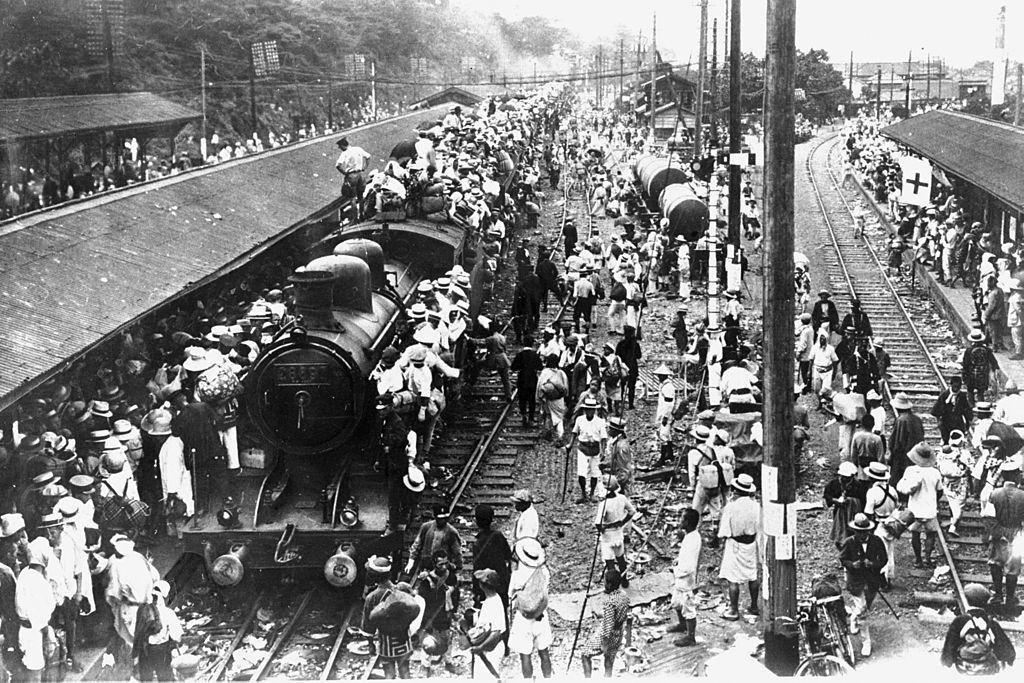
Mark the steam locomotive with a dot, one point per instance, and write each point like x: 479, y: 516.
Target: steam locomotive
x: 310, y: 500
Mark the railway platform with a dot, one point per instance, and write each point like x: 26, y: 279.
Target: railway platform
x: 955, y: 302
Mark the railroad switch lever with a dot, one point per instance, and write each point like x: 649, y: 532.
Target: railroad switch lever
x: 282, y: 553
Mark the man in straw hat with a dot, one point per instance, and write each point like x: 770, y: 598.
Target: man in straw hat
x: 977, y: 365
x: 35, y: 604
x: 880, y: 502
x: 390, y: 626
x: 740, y: 524
x: 922, y: 483
x: 528, y: 592
x: 589, y: 435
x: 976, y: 644
x: 907, y: 431
x: 952, y: 408
x: 130, y: 579
x: 863, y: 556
x: 1003, y: 560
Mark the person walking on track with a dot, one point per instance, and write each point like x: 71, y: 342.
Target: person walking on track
x: 1003, y: 562
x: 589, y: 436
x: 863, y: 556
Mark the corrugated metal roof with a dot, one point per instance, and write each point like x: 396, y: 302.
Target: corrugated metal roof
x: 986, y: 153
x: 43, y: 117
x: 72, y: 276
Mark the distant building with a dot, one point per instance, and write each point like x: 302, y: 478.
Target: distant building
x: 674, y: 96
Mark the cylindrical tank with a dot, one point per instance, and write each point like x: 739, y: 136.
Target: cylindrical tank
x: 353, y: 286
x: 655, y: 174
x: 369, y: 251
x: 687, y: 215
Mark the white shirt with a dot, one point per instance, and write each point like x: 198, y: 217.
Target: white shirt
x: 33, y: 598
x: 174, y: 475
x: 685, y: 569
x: 528, y: 524
x: 389, y: 380
x: 590, y: 430
x: 922, y: 500
x: 352, y: 159
x: 1009, y: 409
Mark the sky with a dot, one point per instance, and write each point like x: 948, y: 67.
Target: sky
x: 961, y: 32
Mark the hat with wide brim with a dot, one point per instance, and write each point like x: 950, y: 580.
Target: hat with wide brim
x: 976, y: 336
x: 663, y: 370
x: 877, y: 471
x: 902, y: 402
x: 414, y: 479
x: 529, y: 552
x: 861, y: 522
x: 197, y: 360
x: 744, y: 483
x: 983, y: 408
x: 378, y: 565
x: 590, y: 402
x: 922, y: 455
x: 522, y: 496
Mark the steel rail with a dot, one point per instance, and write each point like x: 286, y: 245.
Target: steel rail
x: 911, y: 326
x: 282, y: 637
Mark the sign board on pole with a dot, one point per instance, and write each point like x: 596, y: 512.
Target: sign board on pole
x: 265, y: 60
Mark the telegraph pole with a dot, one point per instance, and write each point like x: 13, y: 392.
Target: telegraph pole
x: 928, y: 82
x: 202, y: 96
x: 735, y: 111
x: 622, y: 69
x: 1016, y: 106
x: 330, y: 102
x: 654, y: 64
x: 714, y: 81
x: 252, y: 91
x: 910, y: 77
x: 373, y: 89
x: 778, y: 481
x: 702, y: 56
x: 850, y: 86
x: 878, y: 93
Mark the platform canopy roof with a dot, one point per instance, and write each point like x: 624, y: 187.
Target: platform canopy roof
x: 40, y: 118
x: 985, y: 153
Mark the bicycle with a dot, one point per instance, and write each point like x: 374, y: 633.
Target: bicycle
x: 826, y: 648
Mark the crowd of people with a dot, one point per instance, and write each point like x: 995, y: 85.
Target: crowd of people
x: 946, y: 236
x: 33, y: 188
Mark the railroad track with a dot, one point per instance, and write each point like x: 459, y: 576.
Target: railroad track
x: 859, y: 271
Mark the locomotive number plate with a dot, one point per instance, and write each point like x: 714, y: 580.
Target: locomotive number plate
x: 302, y: 374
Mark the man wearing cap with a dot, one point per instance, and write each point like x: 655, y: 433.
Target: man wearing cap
x: 489, y: 626
x: 740, y: 524
x: 804, y: 350
x: 433, y: 535
x: 35, y: 604
x: 32, y: 503
x: 491, y: 551
x: 824, y: 311
x: 528, y: 522
x: 978, y: 365
x: 350, y: 164
x: 1003, y: 561
x: 527, y: 364
x: 976, y: 644
x: 845, y: 496
x: 392, y: 642
x: 589, y: 435
x: 907, y: 432
x: 612, y: 519
x: 528, y: 592
x: 863, y: 555
x: 550, y: 282
x: 952, y: 409
x: 628, y: 349
x: 618, y: 456
x: 922, y: 483
x: 158, y: 632
x: 387, y: 375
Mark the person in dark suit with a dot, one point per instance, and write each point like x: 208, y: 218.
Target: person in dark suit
x: 547, y: 271
x: 824, y: 311
x: 863, y: 556
x: 952, y: 409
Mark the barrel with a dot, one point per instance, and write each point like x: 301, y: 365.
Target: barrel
x: 655, y: 174
x: 687, y: 215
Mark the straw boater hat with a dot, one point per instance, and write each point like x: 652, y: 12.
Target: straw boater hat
x: 902, y: 402
x: 847, y: 469
x: 417, y: 311
x: 51, y: 520
x: 590, y: 402
x: 414, y: 480
x: 617, y: 423
x: 701, y: 432
x: 102, y: 409
x: 922, y: 455
x: 877, y: 471
x: 522, y: 496
x: 861, y: 522
x: 982, y: 408
x: 976, y: 335
x: 197, y: 360
x: 744, y: 483
x: 529, y: 551
x: 10, y: 524
x: 663, y: 371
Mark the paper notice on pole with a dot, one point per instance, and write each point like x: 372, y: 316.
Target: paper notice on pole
x: 778, y: 519
x: 785, y: 547
x: 770, y: 482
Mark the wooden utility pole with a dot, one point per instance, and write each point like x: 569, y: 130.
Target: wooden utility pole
x: 1016, y: 106
x: 778, y: 482
x: 622, y: 69
x: 654, y: 64
x: 330, y: 101
x: 941, y: 74
x: 252, y: 92
x: 928, y: 82
x: 735, y: 111
x: 714, y: 82
x: 702, y: 57
x: 373, y: 89
x: 910, y: 77
x: 202, y: 97
x: 850, y: 81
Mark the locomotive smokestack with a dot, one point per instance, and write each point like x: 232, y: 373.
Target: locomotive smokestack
x: 314, y: 296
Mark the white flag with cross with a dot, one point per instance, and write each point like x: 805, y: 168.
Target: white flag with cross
x: 917, y: 181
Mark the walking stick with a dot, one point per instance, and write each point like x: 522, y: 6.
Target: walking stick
x: 586, y: 593
x: 565, y: 472
x: 888, y: 604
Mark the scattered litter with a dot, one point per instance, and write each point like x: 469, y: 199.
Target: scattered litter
x: 358, y: 647
x: 802, y: 505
